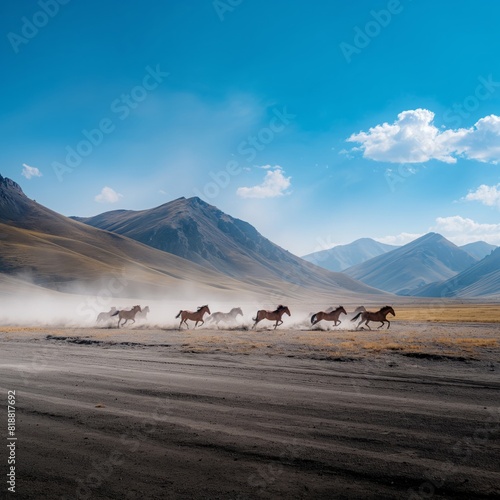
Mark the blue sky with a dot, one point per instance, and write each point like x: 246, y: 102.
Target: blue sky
x: 317, y: 122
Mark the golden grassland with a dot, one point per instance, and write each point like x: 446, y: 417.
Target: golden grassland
x: 470, y: 313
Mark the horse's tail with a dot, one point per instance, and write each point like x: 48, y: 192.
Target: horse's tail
x: 356, y: 317
x: 115, y: 313
x: 180, y: 312
x: 313, y: 317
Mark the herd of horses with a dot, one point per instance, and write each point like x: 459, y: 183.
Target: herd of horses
x: 276, y: 315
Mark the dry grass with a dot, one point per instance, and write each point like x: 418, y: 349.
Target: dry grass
x: 469, y: 313
x: 426, y: 340
x: 470, y: 342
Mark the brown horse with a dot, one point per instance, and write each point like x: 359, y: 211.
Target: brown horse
x: 193, y: 316
x: 380, y: 315
x: 271, y: 315
x: 328, y: 316
x: 126, y: 315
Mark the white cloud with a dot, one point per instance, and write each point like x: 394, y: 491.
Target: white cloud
x: 274, y: 184
x: 30, y: 172
x: 108, y: 195
x: 482, y: 142
x: 399, y: 239
x: 457, y: 229
x: 462, y: 230
x: 413, y: 138
x: 487, y: 195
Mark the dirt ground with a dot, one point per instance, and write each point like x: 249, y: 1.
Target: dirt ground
x: 149, y: 413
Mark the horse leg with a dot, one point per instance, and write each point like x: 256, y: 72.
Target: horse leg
x: 366, y: 323
x: 382, y: 324
x: 388, y: 324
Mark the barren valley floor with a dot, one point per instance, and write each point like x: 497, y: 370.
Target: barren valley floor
x: 412, y: 412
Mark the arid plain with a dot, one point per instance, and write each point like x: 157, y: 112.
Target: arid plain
x: 149, y: 411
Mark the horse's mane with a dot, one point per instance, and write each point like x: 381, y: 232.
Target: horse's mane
x: 201, y: 307
x: 280, y: 307
x: 385, y: 308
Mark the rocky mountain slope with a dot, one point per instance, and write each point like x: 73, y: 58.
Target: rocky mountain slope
x: 200, y: 232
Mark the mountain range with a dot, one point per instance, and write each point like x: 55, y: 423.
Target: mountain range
x: 478, y: 249
x: 481, y: 279
x: 405, y: 269
x: 216, y: 252
x: 53, y: 251
x: 188, y: 242
x: 342, y: 257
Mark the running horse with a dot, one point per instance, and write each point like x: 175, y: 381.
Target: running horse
x: 193, y: 316
x: 380, y: 315
x: 126, y: 315
x: 144, y: 313
x: 271, y: 315
x: 328, y: 316
x: 217, y: 317
x: 103, y: 316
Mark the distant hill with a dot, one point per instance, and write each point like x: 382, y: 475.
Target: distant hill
x: 482, y: 279
x: 403, y: 270
x: 341, y: 257
x: 479, y: 249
